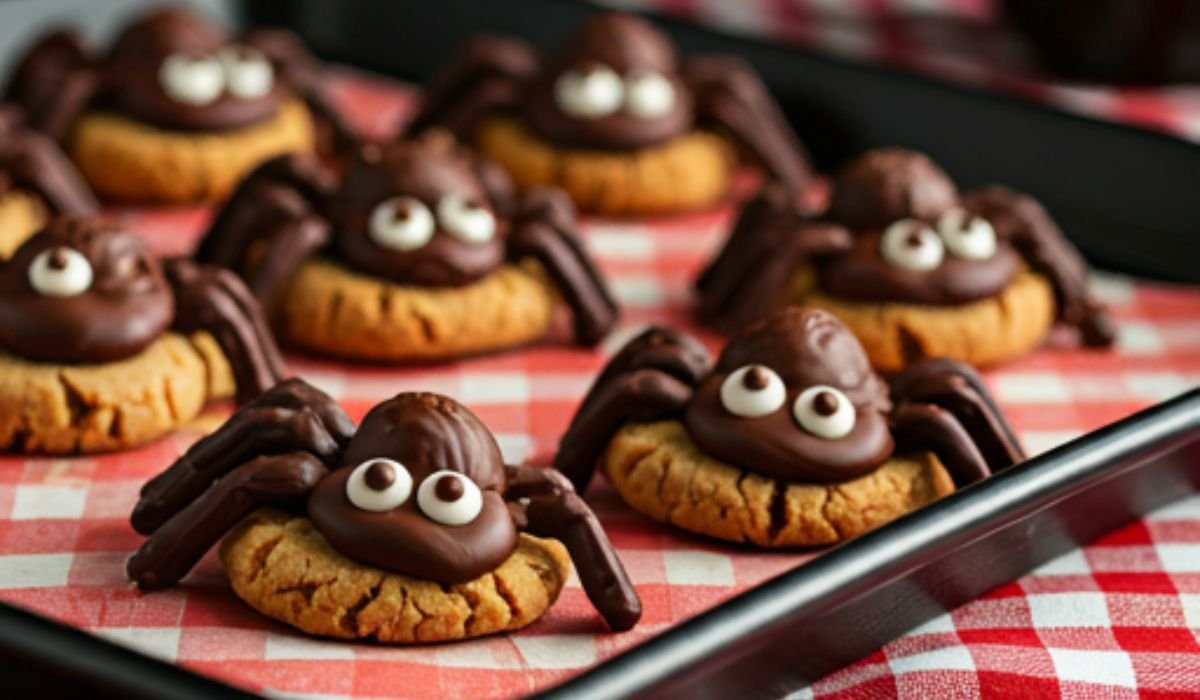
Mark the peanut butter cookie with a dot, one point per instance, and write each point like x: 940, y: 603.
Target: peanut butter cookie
x: 21, y: 215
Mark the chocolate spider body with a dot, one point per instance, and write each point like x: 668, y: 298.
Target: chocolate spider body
x: 85, y: 292
x: 618, y: 84
x: 174, y: 70
x: 423, y: 213
x: 419, y: 488
x: 793, y: 398
x: 897, y: 230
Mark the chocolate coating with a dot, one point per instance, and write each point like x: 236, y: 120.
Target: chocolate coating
x: 426, y: 433
x: 427, y: 169
x: 888, y: 184
x: 628, y: 45
x: 805, y: 347
x: 128, y: 305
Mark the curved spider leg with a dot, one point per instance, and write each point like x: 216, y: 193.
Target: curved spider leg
x: 958, y: 388
x: 35, y: 163
x: 484, y: 75
x: 1022, y: 220
x: 730, y: 93
x: 659, y: 347
x: 291, y: 416
x: 499, y: 186
x: 215, y: 300
x: 922, y: 426
x: 548, y: 506
x: 545, y: 230
x: 175, y: 547
x: 54, y: 81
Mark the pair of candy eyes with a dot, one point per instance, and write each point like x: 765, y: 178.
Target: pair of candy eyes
x: 200, y: 80
x: 405, y: 223
x: 914, y: 245
x: 445, y: 497
x: 598, y: 91
x: 755, y: 391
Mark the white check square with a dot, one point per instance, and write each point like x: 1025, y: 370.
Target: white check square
x: 955, y: 658
x: 34, y: 570
x: 1068, y: 610
x: 1092, y: 666
x: 693, y: 568
x: 159, y: 642
x: 42, y: 501
x: 557, y: 650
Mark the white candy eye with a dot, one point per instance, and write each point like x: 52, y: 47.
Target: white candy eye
x: 449, y: 498
x: 247, y: 71
x: 824, y: 412
x: 192, y: 80
x: 466, y: 219
x: 60, y: 272
x: 378, y: 485
x: 401, y: 223
x: 970, y: 237
x: 597, y: 92
x: 649, y: 95
x: 912, y: 245
x: 753, y: 391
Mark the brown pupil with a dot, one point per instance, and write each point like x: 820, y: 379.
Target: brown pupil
x: 756, y: 378
x: 402, y: 212
x: 379, y: 476
x: 825, y: 403
x: 58, y: 259
x: 448, y: 488
x: 914, y: 240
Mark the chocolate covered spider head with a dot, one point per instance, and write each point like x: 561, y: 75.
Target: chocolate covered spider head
x: 176, y: 69
x: 615, y: 84
x: 421, y: 212
x: 420, y: 492
x: 795, y: 396
x: 82, y: 290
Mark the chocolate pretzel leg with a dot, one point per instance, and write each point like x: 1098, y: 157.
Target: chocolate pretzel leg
x: 552, y: 509
x: 289, y: 243
x: 928, y: 427
x: 958, y: 388
x: 545, y: 230
x: 662, y: 348
x: 260, y: 428
x: 729, y: 93
x: 175, y: 547
x: 54, y: 82
x: 37, y: 164
x: 215, y: 300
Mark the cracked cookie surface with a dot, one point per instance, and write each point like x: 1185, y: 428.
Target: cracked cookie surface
x: 64, y: 409
x: 280, y: 565
x: 661, y: 473
x: 328, y: 308
x: 981, y: 333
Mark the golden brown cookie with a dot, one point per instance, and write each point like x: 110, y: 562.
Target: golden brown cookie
x: 282, y: 567
x: 63, y: 409
x: 690, y: 172
x: 333, y: 310
x: 21, y: 215
x: 128, y: 160
x: 981, y: 333
x: 661, y: 473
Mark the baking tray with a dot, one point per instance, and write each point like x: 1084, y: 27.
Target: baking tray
x: 796, y: 627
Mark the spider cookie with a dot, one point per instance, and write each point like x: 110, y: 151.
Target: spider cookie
x: 36, y: 181
x: 177, y: 110
x: 420, y: 252
x: 406, y: 528
x: 788, y: 440
x: 915, y: 269
x: 615, y: 118
x: 103, y: 346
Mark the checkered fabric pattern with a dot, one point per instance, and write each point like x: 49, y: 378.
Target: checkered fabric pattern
x: 1118, y: 618
x: 961, y: 41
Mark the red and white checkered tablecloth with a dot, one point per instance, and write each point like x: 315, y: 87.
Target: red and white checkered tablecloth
x: 961, y: 41
x: 1119, y: 618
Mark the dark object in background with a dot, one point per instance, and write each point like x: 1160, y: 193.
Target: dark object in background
x: 1124, y: 41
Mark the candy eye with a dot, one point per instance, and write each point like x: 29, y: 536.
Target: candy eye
x: 193, y: 80
x: 912, y: 245
x: 60, y: 272
x: 824, y: 412
x: 378, y: 485
x: 247, y: 71
x: 970, y: 237
x: 401, y: 223
x: 649, y: 95
x: 466, y: 219
x: 596, y: 92
x: 752, y: 391
x: 449, y: 498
